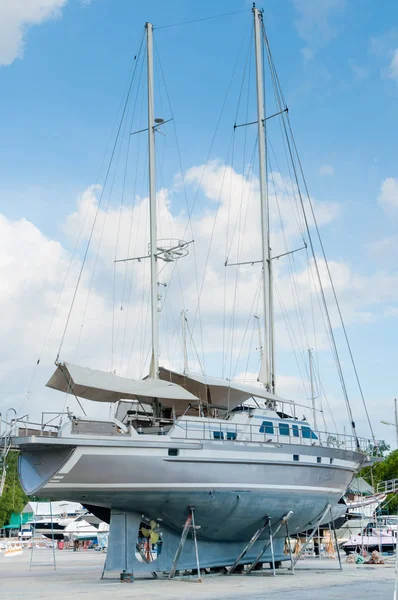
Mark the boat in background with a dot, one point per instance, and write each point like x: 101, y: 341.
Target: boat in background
x: 371, y: 539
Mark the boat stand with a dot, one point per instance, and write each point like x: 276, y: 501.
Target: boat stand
x: 314, y: 530
x: 189, y: 523
x: 290, y: 548
x: 54, y: 564
x: 270, y: 543
x: 335, y: 539
x: 252, y: 541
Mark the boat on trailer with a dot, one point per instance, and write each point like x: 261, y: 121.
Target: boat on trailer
x: 184, y: 449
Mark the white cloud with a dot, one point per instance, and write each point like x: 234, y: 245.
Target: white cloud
x: 359, y: 72
x: 385, y: 249
x: 315, y: 23
x: 381, y: 45
x: 326, y: 170
x: 388, y: 197
x: 392, y: 71
x: 385, y: 46
x: 33, y: 269
x: 308, y: 53
x: 16, y: 17
x: 391, y: 311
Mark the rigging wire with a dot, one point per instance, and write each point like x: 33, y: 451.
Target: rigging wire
x: 295, y: 292
x: 234, y: 12
x: 224, y: 349
x: 115, y: 337
x: 292, y: 148
x: 99, y: 204
x: 106, y: 213
x: 333, y: 287
x: 197, y: 315
x: 189, y: 208
x: 78, y: 238
x: 253, y: 310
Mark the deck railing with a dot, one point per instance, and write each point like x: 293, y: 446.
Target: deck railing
x: 228, y: 431
x: 387, y: 487
x: 225, y: 431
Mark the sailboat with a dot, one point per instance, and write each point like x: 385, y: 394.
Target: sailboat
x: 185, y: 446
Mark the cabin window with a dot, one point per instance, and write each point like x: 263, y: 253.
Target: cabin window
x: 267, y: 427
x: 331, y: 461
x: 308, y: 434
x: 218, y: 435
x: 231, y: 435
x: 295, y: 430
x: 296, y: 457
x: 318, y: 459
x: 173, y: 451
x: 283, y: 428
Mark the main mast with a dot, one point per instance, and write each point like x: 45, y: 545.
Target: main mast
x: 154, y: 368
x: 310, y: 358
x: 267, y: 373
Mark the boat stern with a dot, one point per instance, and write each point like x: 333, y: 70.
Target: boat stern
x: 38, y: 464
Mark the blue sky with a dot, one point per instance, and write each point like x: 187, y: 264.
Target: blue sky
x: 65, y: 66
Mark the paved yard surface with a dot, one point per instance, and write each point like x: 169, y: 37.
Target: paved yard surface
x: 78, y: 577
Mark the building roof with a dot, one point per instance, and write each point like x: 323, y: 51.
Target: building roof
x: 46, y: 509
x: 18, y: 519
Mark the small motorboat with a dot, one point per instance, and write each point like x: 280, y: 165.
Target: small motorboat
x: 377, y: 539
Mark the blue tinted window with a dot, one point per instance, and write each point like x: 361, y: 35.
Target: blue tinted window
x: 296, y: 432
x: 308, y: 434
x: 283, y: 428
x: 218, y: 435
x: 231, y: 435
x: 267, y: 427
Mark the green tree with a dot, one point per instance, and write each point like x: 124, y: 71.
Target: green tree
x: 13, y: 498
x: 383, y: 471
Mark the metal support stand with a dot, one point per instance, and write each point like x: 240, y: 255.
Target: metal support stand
x: 196, y: 543
x: 283, y: 522
x: 249, y: 545
x: 33, y: 542
x: 271, y: 543
x: 335, y: 540
x: 323, y: 515
x: 190, y: 522
x: 290, y: 548
x: 52, y: 534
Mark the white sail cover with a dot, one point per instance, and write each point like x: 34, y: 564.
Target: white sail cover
x: 220, y: 392
x: 101, y: 386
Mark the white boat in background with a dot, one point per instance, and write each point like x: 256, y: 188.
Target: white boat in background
x: 81, y: 530
x: 370, y: 540
x: 363, y: 505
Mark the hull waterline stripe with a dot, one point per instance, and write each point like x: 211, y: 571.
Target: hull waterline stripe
x: 201, y: 486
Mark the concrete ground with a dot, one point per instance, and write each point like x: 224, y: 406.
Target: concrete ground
x: 77, y: 576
